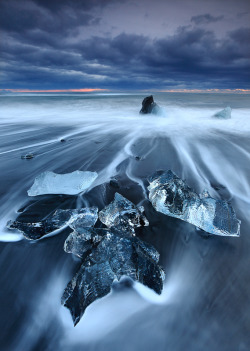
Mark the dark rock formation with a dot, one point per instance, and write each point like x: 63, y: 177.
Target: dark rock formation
x: 148, y: 105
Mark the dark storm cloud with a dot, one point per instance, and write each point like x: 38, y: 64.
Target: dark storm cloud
x: 24, y: 16
x: 54, y: 5
x: 206, y: 18
x: 242, y: 14
x: 43, y: 47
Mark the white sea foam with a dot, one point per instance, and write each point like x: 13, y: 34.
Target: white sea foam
x: 102, y: 113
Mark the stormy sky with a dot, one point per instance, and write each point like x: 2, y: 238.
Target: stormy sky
x: 125, y: 44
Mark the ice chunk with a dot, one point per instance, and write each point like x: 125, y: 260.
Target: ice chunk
x: 123, y: 213
x: 58, y: 220
x: 84, y: 217
x: 28, y: 156
x: 172, y: 196
x: 69, y: 183
x: 83, y: 240
x: 90, y: 283
x: 115, y: 256
x: 224, y: 114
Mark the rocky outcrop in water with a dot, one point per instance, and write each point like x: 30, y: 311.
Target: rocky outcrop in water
x: 149, y: 106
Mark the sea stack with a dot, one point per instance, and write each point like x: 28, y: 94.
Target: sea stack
x: 149, y: 106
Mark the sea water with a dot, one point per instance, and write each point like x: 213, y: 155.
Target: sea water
x: 205, y: 301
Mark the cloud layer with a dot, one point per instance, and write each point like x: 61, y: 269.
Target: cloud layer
x: 60, y: 45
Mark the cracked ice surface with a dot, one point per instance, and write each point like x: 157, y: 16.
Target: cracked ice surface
x: 123, y: 213
x: 69, y: 183
x: 58, y: 220
x: 114, y: 257
x: 172, y: 196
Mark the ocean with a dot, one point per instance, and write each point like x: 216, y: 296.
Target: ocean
x: 205, y: 301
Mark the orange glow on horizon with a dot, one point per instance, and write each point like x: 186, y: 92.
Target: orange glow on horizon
x: 86, y: 90
x: 89, y: 90
x: 240, y: 91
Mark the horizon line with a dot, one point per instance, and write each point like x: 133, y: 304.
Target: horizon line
x: 89, y: 90
x: 84, y: 90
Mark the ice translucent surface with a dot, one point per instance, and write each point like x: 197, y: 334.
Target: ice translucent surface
x: 224, y: 114
x: 56, y: 221
x: 69, y: 183
x: 108, y: 254
x: 115, y: 255
x: 172, y: 196
x: 123, y: 213
x: 79, y: 242
x: 85, y: 217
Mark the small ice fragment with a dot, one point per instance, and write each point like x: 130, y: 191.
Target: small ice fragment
x: 32, y: 231
x: 58, y: 220
x: 114, y: 257
x: 69, y: 183
x: 172, y: 196
x: 224, y: 114
x: 28, y: 156
x: 123, y: 213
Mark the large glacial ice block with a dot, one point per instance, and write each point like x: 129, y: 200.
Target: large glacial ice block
x: 123, y: 213
x: 69, y: 183
x: 172, y: 196
x: 58, y: 220
x: 115, y: 256
x: 224, y: 114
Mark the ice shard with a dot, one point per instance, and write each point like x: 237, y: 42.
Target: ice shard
x: 115, y: 256
x: 123, y: 213
x: 69, y: 183
x: 84, y: 217
x: 172, y: 196
x: 58, y: 220
x: 224, y: 114
x: 81, y: 241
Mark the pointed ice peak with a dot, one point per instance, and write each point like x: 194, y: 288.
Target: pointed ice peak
x: 123, y: 213
x: 224, y: 114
